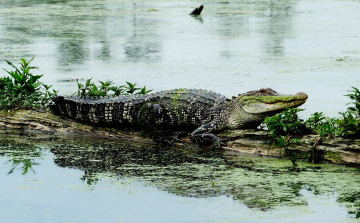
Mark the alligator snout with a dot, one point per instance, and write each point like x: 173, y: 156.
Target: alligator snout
x: 302, y: 95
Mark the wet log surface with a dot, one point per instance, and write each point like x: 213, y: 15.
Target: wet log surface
x: 39, y: 124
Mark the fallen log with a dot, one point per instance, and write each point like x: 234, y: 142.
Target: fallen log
x: 41, y: 124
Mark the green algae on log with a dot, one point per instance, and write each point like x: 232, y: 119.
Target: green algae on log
x: 335, y: 150
x: 254, y: 142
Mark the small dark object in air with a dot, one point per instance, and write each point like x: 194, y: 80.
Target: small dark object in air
x: 197, y: 11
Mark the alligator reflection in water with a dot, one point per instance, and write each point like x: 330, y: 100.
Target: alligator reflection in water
x: 165, y: 167
x: 256, y: 182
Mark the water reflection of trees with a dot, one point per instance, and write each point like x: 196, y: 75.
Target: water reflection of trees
x: 143, y: 45
x: 80, y: 34
x: 275, y: 22
x: 278, y: 26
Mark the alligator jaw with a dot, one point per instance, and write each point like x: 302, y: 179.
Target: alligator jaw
x: 268, y: 104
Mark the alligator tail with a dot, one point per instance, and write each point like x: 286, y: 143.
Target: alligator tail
x: 59, y: 105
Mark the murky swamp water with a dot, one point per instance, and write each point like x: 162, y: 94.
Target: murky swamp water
x: 234, y: 47
x: 68, y: 180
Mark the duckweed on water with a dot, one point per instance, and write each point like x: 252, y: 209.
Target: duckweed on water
x: 262, y: 183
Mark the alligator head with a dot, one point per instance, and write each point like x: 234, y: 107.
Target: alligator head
x: 250, y: 109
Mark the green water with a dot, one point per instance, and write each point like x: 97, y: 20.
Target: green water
x: 69, y: 180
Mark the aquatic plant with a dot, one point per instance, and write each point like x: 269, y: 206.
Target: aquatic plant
x: 106, y: 88
x: 349, y: 124
x: 355, y: 97
x: 285, y: 129
x: 23, y: 89
x: 286, y: 123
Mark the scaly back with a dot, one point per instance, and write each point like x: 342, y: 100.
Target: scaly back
x: 180, y: 107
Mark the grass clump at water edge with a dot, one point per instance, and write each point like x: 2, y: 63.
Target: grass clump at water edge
x: 287, y: 128
x: 23, y: 89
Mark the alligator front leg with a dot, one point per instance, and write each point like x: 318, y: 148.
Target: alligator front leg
x: 203, y: 135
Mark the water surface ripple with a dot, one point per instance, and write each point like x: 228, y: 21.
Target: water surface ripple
x: 234, y: 47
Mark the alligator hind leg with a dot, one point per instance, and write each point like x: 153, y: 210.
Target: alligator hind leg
x: 151, y: 117
x: 151, y: 121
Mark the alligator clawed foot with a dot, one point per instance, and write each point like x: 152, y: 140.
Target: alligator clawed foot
x: 171, y: 138
x: 179, y: 134
x: 169, y: 141
x: 218, y: 143
x: 175, y: 137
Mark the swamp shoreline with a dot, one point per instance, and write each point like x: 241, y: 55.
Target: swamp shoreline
x: 40, y: 124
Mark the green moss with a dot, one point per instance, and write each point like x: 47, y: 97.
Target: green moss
x: 334, y: 156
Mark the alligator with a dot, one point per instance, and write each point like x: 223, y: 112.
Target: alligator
x: 185, y: 109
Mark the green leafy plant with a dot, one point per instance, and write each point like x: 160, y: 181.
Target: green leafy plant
x: 286, y: 123
x: 23, y: 89
x: 349, y: 124
x: 23, y: 75
x: 144, y: 91
x: 328, y: 127
x: 118, y: 90
x: 4, y: 82
x: 285, y: 128
x: 355, y: 96
x: 106, y: 88
x: 131, y: 88
x: 315, y: 120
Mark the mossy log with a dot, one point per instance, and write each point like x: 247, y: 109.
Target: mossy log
x: 40, y: 124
